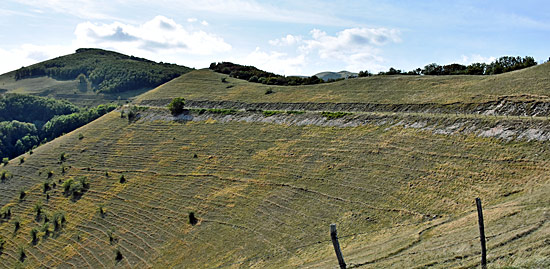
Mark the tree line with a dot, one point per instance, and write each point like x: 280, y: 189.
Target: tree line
x: 501, y: 65
x: 26, y: 121
x: 253, y: 74
x: 107, y: 71
x: 61, y: 124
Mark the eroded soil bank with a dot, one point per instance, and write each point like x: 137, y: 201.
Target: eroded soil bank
x: 525, y: 129
x: 504, y: 106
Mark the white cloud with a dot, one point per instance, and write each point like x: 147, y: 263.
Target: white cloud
x: 160, y: 34
x: 354, y: 48
x: 160, y: 39
x: 254, y: 10
x: 193, y: 20
x: 364, y: 60
x: 288, y: 40
x: 7, y: 12
x: 276, y: 62
x: 28, y: 54
x: 242, y: 9
x: 349, y: 41
x: 80, y: 8
x: 476, y: 58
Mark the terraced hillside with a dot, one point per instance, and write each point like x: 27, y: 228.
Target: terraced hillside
x: 265, y: 185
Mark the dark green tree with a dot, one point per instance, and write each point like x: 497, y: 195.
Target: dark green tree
x: 476, y: 69
x: 192, y: 219
x: 82, y: 83
x: 432, y: 69
x: 176, y: 107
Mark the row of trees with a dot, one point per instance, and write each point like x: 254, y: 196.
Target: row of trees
x: 501, y: 65
x: 26, y: 121
x: 253, y: 74
x: 108, y: 71
x: 61, y: 124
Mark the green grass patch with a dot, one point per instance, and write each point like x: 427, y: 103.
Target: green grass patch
x: 334, y: 115
x: 269, y: 113
x: 222, y: 111
x: 294, y: 112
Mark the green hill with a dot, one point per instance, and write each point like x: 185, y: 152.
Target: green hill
x: 27, y: 121
x: 264, y: 186
x: 89, y: 78
x: 204, y: 84
x: 335, y: 75
x: 106, y: 77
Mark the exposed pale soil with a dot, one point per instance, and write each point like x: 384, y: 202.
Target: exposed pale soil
x: 506, y: 128
x: 504, y: 106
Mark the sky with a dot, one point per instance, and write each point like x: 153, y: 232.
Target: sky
x: 285, y: 37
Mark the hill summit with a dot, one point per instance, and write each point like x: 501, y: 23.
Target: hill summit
x: 328, y: 75
x: 90, y: 77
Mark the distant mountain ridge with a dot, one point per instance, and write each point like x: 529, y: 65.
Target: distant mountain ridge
x: 335, y: 75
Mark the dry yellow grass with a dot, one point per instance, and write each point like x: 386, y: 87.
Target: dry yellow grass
x: 207, y: 85
x: 265, y: 195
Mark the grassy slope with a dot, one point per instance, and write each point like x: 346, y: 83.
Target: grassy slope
x: 265, y: 194
x: 207, y: 85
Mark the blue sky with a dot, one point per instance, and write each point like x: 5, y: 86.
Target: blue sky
x: 286, y: 37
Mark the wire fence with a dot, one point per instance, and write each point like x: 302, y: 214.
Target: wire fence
x: 410, y: 249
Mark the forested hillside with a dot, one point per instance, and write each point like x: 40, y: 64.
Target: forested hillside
x: 88, y: 78
x: 104, y: 71
x: 253, y: 74
x: 26, y: 121
x: 32, y: 109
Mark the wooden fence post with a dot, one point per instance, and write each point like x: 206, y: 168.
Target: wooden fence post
x: 334, y: 238
x: 481, y: 234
